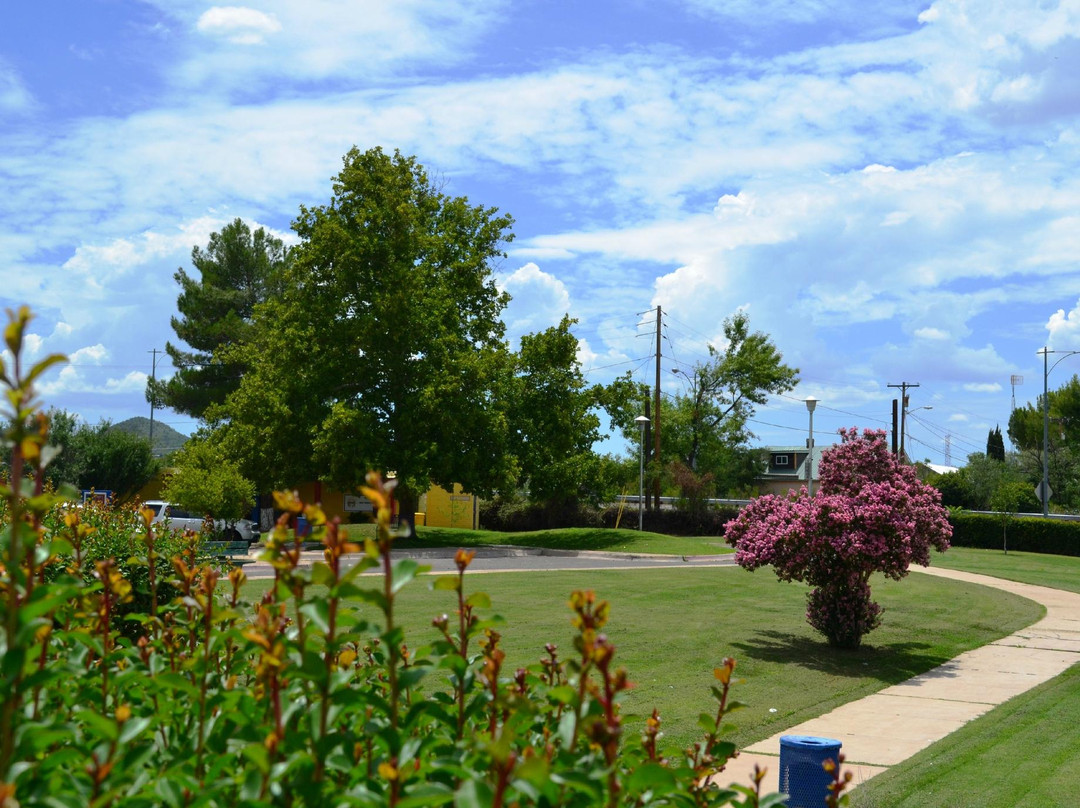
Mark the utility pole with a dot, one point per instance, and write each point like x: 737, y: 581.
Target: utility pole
x: 656, y: 409
x: 153, y: 377
x: 647, y: 441
x: 903, y: 412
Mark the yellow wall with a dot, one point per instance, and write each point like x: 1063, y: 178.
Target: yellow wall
x: 449, y: 509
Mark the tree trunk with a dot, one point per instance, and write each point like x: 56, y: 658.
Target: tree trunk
x: 407, y: 501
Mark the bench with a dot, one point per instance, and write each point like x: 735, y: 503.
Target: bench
x: 227, y: 551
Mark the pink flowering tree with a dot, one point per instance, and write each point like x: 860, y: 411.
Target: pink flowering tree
x: 872, y: 514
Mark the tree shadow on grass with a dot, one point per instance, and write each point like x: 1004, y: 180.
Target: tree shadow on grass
x: 890, y: 664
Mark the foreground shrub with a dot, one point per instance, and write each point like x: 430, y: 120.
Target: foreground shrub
x: 872, y: 514
x: 298, y: 700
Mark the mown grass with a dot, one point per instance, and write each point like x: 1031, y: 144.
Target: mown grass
x: 1019, y: 755
x: 610, y: 539
x: 1054, y: 571
x: 671, y: 628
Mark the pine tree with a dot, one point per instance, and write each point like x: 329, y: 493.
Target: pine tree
x: 995, y: 445
x: 238, y: 270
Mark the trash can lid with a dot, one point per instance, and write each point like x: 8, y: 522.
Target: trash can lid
x: 808, y: 742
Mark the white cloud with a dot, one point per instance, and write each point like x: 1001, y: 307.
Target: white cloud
x: 538, y: 300
x: 90, y: 355
x: 1064, y: 328
x: 78, y: 380
x: 985, y: 387
x: 238, y: 24
x: 931, y: 333
x: 321, y: 39
x: 133, y: 382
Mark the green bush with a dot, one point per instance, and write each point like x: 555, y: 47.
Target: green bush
x: 302, y: 699
x: 1026, y: 534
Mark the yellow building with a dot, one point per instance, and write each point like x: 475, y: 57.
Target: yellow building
x: 444, y: 508
x: 439, y: 507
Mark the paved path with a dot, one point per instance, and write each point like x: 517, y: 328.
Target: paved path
x: 519, y: 559
x: 892, y: 725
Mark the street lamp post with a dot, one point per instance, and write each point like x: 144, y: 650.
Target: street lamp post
x: 907, y: 413
x: 1044, y: 489
x: 641, y: 421
x: 811, y: 403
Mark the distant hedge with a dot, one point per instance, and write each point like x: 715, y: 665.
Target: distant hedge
x: 517, y: 517
x: 1026, y: 534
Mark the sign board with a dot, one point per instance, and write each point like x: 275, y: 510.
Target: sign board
x: 354, y: 503
x: 1039, y: 492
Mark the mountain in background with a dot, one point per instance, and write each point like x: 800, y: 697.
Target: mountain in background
x: 166, y: 439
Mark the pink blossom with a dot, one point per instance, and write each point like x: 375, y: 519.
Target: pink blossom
x: 872, y: 514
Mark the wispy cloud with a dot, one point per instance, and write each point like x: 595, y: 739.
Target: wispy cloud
x: 238, y: 24
x: 14, y: 97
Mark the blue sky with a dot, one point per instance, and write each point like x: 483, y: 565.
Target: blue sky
x: 889, y: 189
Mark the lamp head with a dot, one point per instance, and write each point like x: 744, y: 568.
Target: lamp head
x: 811, y: 403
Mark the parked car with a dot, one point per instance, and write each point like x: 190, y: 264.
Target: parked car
x: 179, y: 519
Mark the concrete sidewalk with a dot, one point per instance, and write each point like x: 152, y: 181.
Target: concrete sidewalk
x: 892, y: 725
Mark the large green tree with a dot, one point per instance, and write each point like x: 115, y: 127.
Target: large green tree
x: 705, y: 427
x: 238, y: 270
x: 1026, y: 433
x: 384, y: 349
x: 551, y: 414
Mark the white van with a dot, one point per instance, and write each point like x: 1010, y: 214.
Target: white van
x: 179, y: 519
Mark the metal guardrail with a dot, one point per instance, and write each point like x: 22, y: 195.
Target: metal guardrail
x: 671, y: 502
x: 1064, y: 517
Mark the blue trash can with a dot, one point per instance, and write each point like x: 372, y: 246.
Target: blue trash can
x: 302, y: 527
x: 802, y: 773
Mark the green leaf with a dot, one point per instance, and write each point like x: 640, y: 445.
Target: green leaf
x: 258, y: 755
x: 134, y: 727
x: 175, y: 681
x: 534, y: 770
x: 404, y: 571
x: 318, y: 611
x: 447, y: 583
x: 652, y: 777
x: 426, y: 794
x: 322, y: 575
x: 474, y: 794
x: 566, y: 728
x: 776, y: 801
x: 412, y: 676
x: 563, y: 694
x: 479, y: 600
x: 99, y: 725
x: 361, y: 566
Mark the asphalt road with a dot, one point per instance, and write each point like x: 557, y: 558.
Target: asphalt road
x: 521, y: 559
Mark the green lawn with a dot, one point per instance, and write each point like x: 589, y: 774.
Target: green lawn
x: 584, y: 538
x: 672, y: 627
x: 1019, y: 755
x: 1057, y: 572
